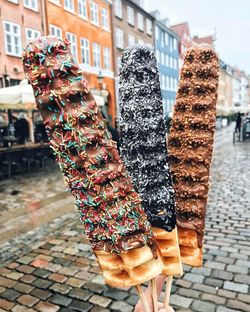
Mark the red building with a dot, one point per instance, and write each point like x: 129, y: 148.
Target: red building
x: 185, y: 40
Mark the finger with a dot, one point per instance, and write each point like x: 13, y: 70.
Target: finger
x: 169, y: 309
x: 160, y: 280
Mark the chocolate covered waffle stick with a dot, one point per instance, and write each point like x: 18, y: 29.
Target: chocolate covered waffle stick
x: 110, y: 209
x: 190, y: 146
x: 143, y: 148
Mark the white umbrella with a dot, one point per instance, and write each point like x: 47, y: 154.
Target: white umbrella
x: 17, y: 97
x: 241, y: 109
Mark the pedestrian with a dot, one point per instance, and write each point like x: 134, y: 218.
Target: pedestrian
x: 114, y: 132
x: 238, y: 122
x: 160, y: 281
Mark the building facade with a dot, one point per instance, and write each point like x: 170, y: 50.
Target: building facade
x: 185, y: 40
x: 166, y: 47
x: 87, y: 24
x: 131, y: 25
x: 225, y: 90
x: 20, y: 22
x: 236, y: 89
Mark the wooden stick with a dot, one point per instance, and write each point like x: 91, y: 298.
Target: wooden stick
x: 169, y: 281
x: 154, y: 294
x: 143, y: 298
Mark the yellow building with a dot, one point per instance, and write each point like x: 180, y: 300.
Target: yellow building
x: 225, y: 90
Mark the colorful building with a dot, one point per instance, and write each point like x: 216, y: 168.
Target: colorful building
x: 225, y: 90
x: 87, y: 24
x: 185, y: 40
x: 206, y: 39
x: 20, y: 21
x: 166, y: 47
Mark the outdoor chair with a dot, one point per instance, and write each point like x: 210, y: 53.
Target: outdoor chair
x: 42, y: 155
x: 29, y: 159
x: 12, y: 160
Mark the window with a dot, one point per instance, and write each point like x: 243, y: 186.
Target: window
x: 162, y: 58
x: 73, y: 40
x: 131, y: 15
x: 118, y: 8
x: 164, y: 82
x: 96, y: 55
x: 158, y: 56
x: 69, y: 5
x: 55, y: 31
x: 140, y: 21
x: 94, y: 13
x: 31, y: 34
x: 162, y: 39
x: 166, y: 39
x: 85, y: 51
x: 118, y: 64
x: 167, y: 83
x: 82, y: 9
x: 119, y: 38
x: 166, y: 60
x: 131, y: 40
x: 105, y: 20
x: 55, y: 1
x: 12, y: 38
x: 31, y: 4
x: 175, y: 44
x: 149, y: 26
x: 175, y: 64
x: 157, y: 32
x: 107, y: 58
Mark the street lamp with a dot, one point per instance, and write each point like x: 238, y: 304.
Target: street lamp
x: 100, y: 79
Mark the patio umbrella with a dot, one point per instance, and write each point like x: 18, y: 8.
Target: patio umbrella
x: 17, y: 97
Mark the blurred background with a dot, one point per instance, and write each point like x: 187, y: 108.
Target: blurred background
x: 46, y: 263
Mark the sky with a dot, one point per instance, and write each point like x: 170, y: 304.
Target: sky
x: 229, y: 18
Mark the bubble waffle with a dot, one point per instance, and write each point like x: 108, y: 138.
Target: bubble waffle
x: 190, y: 145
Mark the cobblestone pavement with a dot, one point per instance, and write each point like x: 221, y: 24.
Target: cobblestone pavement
x: 51, y: 268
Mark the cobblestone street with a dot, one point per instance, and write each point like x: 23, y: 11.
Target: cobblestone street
x: 51, y: 267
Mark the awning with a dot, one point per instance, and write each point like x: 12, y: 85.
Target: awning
x: 99, y: 100
x: 17, y: 97
x: 21, y: 97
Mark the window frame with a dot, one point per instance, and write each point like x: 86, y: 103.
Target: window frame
x: 118, y: 8
x: 29, y: 6
x: 130, y: 16
x: 149, y: 24
x: 130, y: 36
x: 13, y: 36
x: 106, y: 17
x: 81, y: 3
x: 33, y: 31
x: 73, y: 46
x: 96, y: 45
x: 56, y: 28
x: 69, y: 9
x: 85, y: 49
x: 107, y: 56
x: 93, y: 13
x: 140, y: 18
x: 119, y: 33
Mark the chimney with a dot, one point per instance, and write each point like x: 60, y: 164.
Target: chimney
x: 156, y: 14
x: 165, y: 22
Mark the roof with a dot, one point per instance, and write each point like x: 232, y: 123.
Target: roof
x: 179, y: 28
x: 207, y: 39
x: 139, y: 8
x: 167, y: 29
